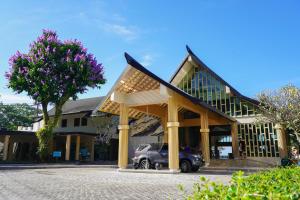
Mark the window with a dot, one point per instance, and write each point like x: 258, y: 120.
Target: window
x: 76, y: 121
x: 64, y: 123
x: 84, y: 121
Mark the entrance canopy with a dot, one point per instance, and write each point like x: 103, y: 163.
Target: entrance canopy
x: 138, y: 93
x: 145, y: 93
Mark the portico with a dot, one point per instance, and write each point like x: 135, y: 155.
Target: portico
x: 139, y: 93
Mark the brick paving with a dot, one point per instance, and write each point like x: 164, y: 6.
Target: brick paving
x: 93, y: 183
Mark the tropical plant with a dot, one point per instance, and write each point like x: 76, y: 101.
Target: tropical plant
x: 282, y: 107
x: 276, y: 184
x: 52, y: 72
x: 14, y: 115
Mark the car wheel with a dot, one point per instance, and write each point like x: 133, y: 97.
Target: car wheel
x: 144, y: 164
x: 185, y: 166
x: 195, y: 168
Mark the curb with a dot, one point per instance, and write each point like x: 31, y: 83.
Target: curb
x: 22, y: 167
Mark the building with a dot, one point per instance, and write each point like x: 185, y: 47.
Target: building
x: 78, y: 129
x: 197, y: 108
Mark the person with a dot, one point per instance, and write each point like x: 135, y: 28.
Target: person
x: 295, y: 157
x: 242, y: 148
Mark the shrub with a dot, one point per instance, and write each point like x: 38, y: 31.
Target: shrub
x: 278, y: 183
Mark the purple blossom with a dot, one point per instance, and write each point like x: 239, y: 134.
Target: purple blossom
x: 77, y: 58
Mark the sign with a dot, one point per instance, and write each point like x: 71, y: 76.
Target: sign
x: 56, y: 154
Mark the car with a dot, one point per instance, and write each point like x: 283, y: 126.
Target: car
x: 150, y: 156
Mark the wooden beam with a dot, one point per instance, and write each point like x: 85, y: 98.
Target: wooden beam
x: 6, y: 146
x: 235, y: 140
x: 205, y: 137
x: 156, y: 110
x: 123, y: 136
x: 77, y: 148
x: 68, y: 147
x: 173, y: 138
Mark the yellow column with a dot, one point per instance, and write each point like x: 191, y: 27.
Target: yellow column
x: 164, y: 122
x: 235, y: 140
x: 282, y: 146
x: 68, y: 147
x: 123, y: 137
x: 6, y: 145
x: 205, y: 138
x: 92, y: 149
x: 173, y: 125
x: 77, y: 147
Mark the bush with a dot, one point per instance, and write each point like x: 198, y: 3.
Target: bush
x: 279, y: 183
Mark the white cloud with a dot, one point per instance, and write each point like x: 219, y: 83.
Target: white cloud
x: 14, y: 98
x: 147, y: 60
x: 126, y: 32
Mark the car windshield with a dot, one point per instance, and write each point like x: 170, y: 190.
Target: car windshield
x: 141, y: 147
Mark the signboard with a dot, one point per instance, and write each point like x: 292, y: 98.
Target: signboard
x: 56, y: 154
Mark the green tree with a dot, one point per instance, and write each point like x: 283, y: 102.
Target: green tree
x: 282, y: 106
x: 52, y: 72
x: 14, y: 115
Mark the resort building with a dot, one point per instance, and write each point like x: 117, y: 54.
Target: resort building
x: 78, y: 136
x: 196, y: 108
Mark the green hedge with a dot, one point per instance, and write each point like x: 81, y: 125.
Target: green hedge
x: 278, y: 183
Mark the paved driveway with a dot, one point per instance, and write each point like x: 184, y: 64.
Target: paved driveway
x: 92, y: 183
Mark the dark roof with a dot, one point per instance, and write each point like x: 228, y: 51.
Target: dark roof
x: 8, y: 132
x: 79, y: 106
x: 202, y: 64
x: 131, y: 61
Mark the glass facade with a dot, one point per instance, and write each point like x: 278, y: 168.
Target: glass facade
x: 261, y: 141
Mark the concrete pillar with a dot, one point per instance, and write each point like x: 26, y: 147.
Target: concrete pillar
x: 123, y: 136
x: 68, y: 147
x: 6, y: 146
x: 205, y: 138
x: 164, y: 122
x: 77, y: 155
x: 235, y: 140
x: 173, y: 125
x: 282, y: 146
x: 92, y: 149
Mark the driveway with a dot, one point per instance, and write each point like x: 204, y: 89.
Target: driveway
x: 93, y: 183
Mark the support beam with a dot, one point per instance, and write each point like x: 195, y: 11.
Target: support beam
x: 164, y: 122
x: 77, y: 148
x: 235, y: 140
x: 92, y: 149
x: 205, y: 138
x: 156, y: 110
x: 6, y: 146
x: 123, y: 137
x: 173, y: 125
x: 68, y: 147
x: 282, y: 146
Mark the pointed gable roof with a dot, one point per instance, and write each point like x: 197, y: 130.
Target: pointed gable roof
x: 203, y: 65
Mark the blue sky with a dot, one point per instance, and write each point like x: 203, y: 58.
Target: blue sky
x: 253, y: 45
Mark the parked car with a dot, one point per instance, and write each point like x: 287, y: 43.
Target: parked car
x: 149, y: 156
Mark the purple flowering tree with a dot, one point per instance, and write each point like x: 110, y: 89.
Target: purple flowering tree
x: 52, y: 72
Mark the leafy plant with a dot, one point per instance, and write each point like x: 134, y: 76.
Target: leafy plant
x: 52, y: 72
x: 281, y: 107
x: 279, y: 184
x: 14, y: 115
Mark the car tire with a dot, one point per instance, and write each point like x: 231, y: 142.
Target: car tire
x: 195, y: 168
x: 144, y: 164
x: 185, y: 166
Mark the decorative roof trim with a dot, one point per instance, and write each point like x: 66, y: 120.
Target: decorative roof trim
x: 202, y: 64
